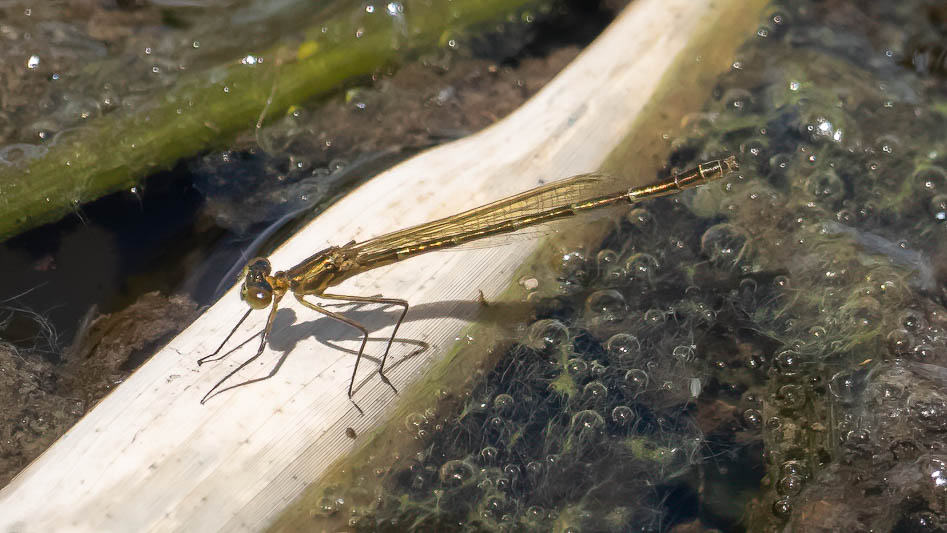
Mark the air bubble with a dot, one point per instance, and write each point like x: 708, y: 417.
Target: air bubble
x: 595, y: 392
x: 415, y: 421
x: 738, y: 100
x: 654, y: 317
x: 607, y: 305
x: 789, y: 485
x: 623, y: 415
x: 912, y: 320
x: 790, y: 397
x: 789, y: 363
x: 684, y: 353
x: 547, y: 334
x: 640, y: 218
x: 782, y: 508
x: 606, y: 258
x: 636, y: 381
x: 930, y: 412
x: 724, y: 244
x: 930, y: 180
x: 780, y: 163
x: 794, y: 468
x: 938, y: 207
x: 900, y: 342
x: 888, y: 144
x: 752, y: 418
x: 573, y: 271
x: 577, y: 368
x: 925, y: 353
x: 754, y: 148
x: 844, y: 388
x: 641, y: 267
x: 825, y: 186
x: 534, y: 469
x: 503, y: 404
x: 512, y: 472
x: 456, y: 473
x: 535, y: 513
x: 623, y: 348
x: 587, y: 426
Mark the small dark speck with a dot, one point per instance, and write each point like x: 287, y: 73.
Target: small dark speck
x: 350, y: 433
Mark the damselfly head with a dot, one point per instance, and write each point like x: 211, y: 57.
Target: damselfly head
x: 256, y: 290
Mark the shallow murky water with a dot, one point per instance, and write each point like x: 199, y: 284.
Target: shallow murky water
x: 764, y: 354
x: 770, y: 355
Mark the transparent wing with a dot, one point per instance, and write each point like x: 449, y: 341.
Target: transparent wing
x: 562, y: 193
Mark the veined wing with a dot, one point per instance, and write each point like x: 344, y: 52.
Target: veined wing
x: 555, y: 195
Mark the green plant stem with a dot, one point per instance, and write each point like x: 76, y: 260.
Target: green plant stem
x: 209, y: 108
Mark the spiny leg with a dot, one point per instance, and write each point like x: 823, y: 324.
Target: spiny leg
x: 377, y: 300
x: 266, y: 334
x: 204, y: 359
x: 347, y: 321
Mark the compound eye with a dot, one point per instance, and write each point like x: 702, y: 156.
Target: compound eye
x: 258, y: 295
x: 260, y: 265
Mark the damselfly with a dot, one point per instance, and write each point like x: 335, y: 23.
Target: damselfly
x: 329, y: 267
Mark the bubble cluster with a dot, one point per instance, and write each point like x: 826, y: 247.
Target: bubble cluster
x: 778, y: 341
